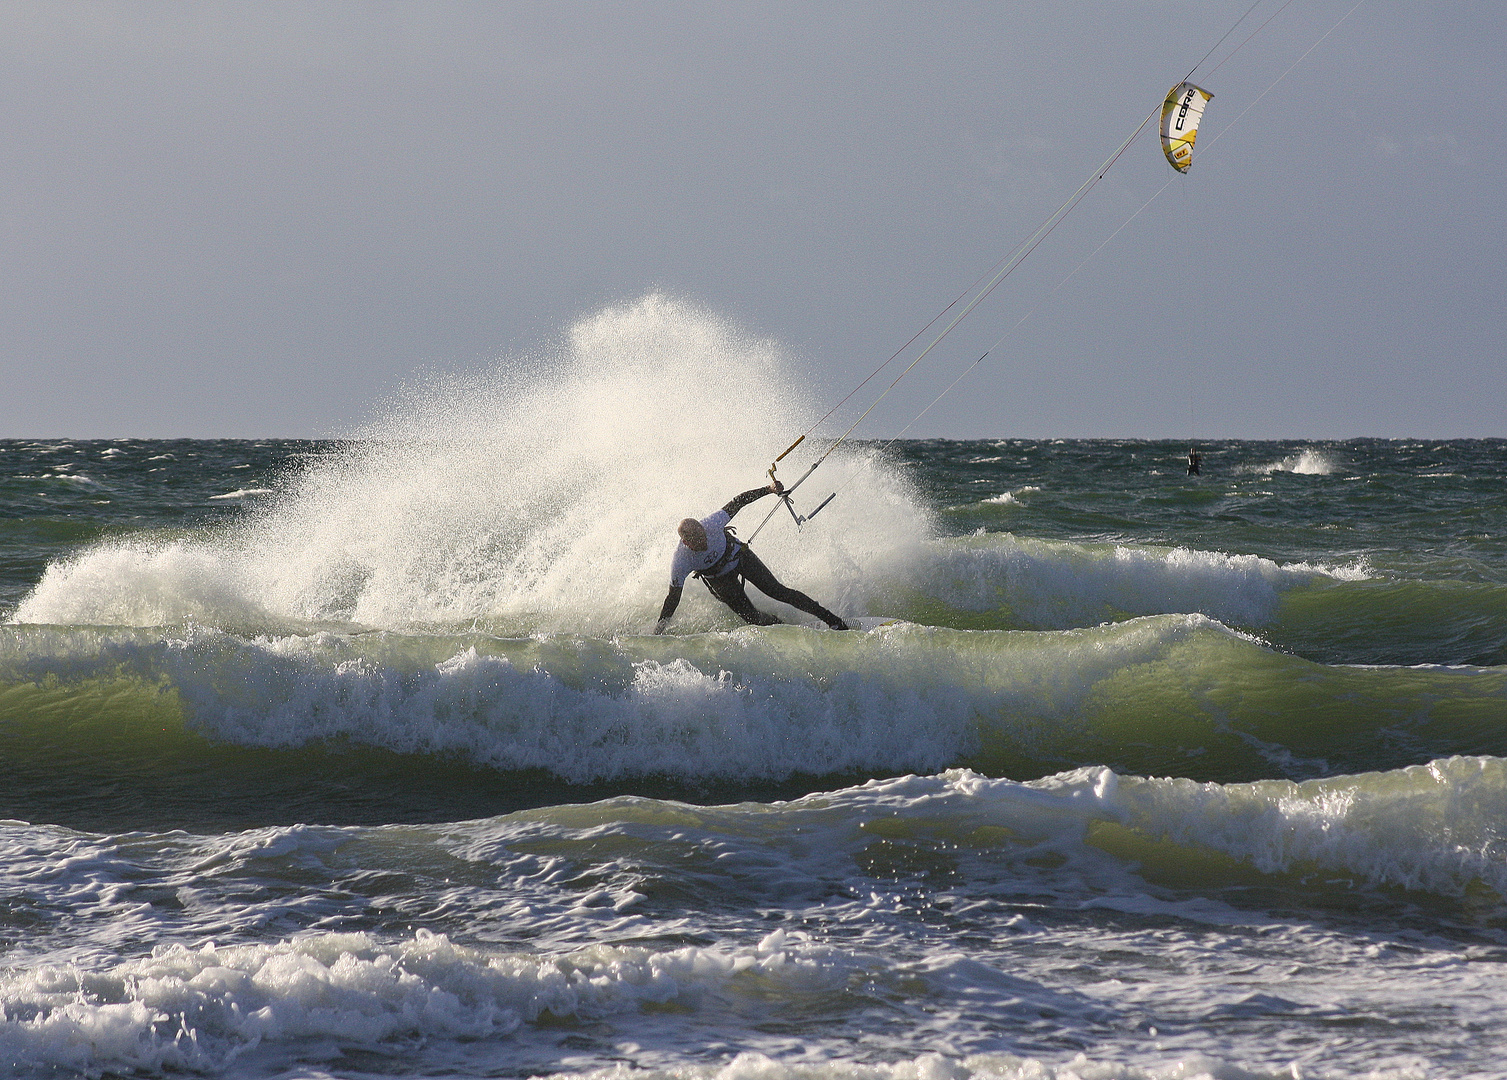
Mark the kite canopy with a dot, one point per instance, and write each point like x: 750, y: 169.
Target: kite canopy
x: 1181, y: 112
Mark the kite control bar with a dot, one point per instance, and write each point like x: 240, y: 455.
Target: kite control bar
x: 786, y: 492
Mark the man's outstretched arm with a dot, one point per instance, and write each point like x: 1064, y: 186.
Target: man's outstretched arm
x: 672, y: 601
x: 738, y: 502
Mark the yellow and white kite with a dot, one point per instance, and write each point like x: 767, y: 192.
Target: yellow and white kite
x: 1181, y: 112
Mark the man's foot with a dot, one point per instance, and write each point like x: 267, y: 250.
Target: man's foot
x: 838, y: 624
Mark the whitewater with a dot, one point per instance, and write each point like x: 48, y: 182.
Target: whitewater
x: 357, y: 758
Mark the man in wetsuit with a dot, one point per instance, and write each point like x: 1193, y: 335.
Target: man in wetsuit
x: 709, y: 551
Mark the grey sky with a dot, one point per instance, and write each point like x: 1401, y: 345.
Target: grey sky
x: 248, y: 219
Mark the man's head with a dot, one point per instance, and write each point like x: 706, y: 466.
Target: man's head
x: 692, y: 535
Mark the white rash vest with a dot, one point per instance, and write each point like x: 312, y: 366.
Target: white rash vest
x: 686, y: 562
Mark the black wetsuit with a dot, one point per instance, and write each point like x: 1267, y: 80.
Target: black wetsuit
x: 728, y: 585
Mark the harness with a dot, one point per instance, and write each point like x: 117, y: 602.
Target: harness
x: 730, y: 555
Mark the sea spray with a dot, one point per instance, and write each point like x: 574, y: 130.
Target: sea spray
x: 1307, y: 462
x: 534, y: 497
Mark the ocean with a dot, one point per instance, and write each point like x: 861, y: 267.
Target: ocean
x: 356, y: 758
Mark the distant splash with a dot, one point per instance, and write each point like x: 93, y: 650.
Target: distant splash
x: 78, y: 479
x: 541, y: 496
x: 1309, y: 462
x: 1013, y: 498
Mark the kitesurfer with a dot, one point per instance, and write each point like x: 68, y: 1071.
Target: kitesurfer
x: 1193, y: 461
x: 709, y: 550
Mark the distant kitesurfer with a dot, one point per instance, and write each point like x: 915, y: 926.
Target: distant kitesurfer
x: 1193, y: 461
x: 709, y: 550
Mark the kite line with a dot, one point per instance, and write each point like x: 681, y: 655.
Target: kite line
x: 1192, y: 103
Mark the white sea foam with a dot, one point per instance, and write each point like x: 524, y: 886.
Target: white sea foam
x: 1029, y: 583
x: 242, y: 493
x: 142, y: 583
x: 202, y: 1007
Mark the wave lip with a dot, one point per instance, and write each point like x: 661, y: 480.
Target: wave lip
x: 1045, y: 584
x: 1013, y: 498
x: 242, y: 493
x: 142, y: 583
x: 1435, y: 828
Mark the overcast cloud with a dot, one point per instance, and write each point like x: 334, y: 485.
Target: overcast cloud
x: 257, y: 219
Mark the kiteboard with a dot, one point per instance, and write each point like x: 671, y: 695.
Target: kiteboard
x: 872, y: 622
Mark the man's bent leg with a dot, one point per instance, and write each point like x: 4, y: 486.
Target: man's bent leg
x: 759, y: 576
x: 729, y: 589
